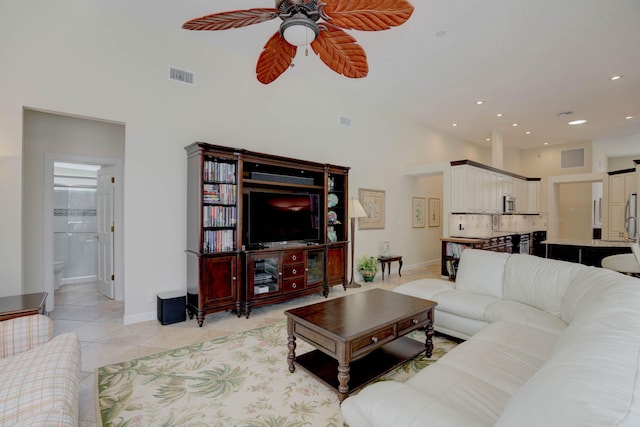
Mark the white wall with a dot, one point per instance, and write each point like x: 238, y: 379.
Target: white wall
x: 76, y: 57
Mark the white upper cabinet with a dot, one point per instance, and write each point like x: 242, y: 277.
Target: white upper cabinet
x: 478, y: 190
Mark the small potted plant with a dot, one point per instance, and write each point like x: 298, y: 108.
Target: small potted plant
x: 368, y: 267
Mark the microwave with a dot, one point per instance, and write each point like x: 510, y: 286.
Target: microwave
x: 509, y: 204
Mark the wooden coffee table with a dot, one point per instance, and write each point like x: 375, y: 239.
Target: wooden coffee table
x: 359, y: 337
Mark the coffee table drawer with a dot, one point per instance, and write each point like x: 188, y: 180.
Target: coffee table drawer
x: 407, y: 325
x: 373, y: 340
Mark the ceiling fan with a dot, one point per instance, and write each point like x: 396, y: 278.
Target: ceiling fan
x: 316, y: 22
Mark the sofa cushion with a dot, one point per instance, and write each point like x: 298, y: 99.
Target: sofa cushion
x: 538, y: 282
x: 424, y: 288
x: 481, y: 272
x: 390, y: 403
x: 457, y: 326
x: 522, y: 313
x: 41, y: 383
x: 584, y: 293
x: 591, y: 376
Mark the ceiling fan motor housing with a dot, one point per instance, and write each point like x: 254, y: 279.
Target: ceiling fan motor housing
x: 299, y: 26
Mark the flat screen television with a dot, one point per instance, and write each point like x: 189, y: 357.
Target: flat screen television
x: 282, y: 217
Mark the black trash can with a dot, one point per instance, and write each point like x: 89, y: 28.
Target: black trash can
x: 172, y: 307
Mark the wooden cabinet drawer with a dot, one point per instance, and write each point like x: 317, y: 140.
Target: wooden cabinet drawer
x: 296, y: 270
x: 293, y: 257
x: 407, y: 325
x: 374, y: 339
x: 291, y: 285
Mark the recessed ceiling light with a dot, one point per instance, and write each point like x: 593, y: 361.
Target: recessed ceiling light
x: 515, y: 124
x: 546, y: 143
x: 454, y: 124
x: 629, y: 117
x: 499, y: 115
x: 488, y: 139
x: 616, y: 77
x: 528, y: 132
x: 479, y: 102
x: 578, y: 122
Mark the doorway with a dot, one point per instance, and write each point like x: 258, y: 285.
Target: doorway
x: 53, y: 137
x: 83, y: 225
x: 89, y: 238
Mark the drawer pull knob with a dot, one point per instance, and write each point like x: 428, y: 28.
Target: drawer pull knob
x: 294, y: 271
x: 294, y: 257
x: 414, y: 321
x: 294, y: 286
x: 374, y: 339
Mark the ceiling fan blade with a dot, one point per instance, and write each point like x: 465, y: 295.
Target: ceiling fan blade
x: 368, y: 15
x: 340, y: 52
x: 274, y: 59
x: 233, y: 19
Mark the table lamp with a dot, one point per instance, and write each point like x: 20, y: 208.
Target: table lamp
x: 355, y: 211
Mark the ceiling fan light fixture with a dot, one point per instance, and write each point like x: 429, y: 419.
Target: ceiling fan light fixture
x: 299, y: 30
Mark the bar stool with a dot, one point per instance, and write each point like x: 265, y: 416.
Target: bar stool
x: 624, y: 263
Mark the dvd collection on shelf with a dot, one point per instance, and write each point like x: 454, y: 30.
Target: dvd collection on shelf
x: 219, y: 216
x: 219, y: 171
x: 224, y: 194
x: 218, y: 241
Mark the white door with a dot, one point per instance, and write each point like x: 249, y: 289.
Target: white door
x: 105, y: 197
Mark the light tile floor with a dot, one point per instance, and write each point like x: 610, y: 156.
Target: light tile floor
x: 98, y: 322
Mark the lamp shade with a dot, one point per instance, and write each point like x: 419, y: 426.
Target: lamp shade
x: 355, y: 209
x: 299, y: 30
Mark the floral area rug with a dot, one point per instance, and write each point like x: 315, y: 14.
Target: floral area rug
x: 237, y: 380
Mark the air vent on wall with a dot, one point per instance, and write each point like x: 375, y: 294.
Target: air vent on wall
x: 345, y: 121
x: 572, y: 158
x: 182, y: 76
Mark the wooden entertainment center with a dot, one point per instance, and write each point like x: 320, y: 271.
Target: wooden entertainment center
x: 226, y: 269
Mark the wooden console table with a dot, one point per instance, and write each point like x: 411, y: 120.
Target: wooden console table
x: 359, y: 337
x: 22, y: 305
x: 387, y: 260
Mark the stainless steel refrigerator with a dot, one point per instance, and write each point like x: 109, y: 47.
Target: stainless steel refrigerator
x: 631, y: 217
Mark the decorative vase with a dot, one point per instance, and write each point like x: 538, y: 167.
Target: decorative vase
x: 386, y: 248
x: 368, y: 275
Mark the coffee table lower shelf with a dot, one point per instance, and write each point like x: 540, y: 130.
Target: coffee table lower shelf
x: 364, y: 370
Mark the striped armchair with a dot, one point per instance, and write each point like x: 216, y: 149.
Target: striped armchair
x: 39, y: 376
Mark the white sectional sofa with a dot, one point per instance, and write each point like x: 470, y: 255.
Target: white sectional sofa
x: 39, y: 376
x: 549, y: 343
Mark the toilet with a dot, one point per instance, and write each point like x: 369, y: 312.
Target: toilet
x: 57, y: 274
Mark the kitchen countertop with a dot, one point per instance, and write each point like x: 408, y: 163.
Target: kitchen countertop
x: 487, y: 235
x: 588, y: 243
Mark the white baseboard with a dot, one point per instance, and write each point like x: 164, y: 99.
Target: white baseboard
x: 141, y: 317
x: 79, y: 279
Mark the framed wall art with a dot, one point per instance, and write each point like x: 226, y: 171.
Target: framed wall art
x: 434, y: 212
x: 418, y: 212
x: 373, y: 203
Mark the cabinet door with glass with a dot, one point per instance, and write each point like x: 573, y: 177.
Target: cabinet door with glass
x: 264, y: 273
x: 315, y: 268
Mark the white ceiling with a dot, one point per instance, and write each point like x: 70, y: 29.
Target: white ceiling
x: 527, y: 59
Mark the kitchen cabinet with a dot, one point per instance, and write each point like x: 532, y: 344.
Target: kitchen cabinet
x: 477, y: 188
x: 621, y: 186
x: 533, y: 197
x: 474, y: 190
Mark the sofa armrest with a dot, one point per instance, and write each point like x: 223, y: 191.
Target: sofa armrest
x: 24, y: 333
